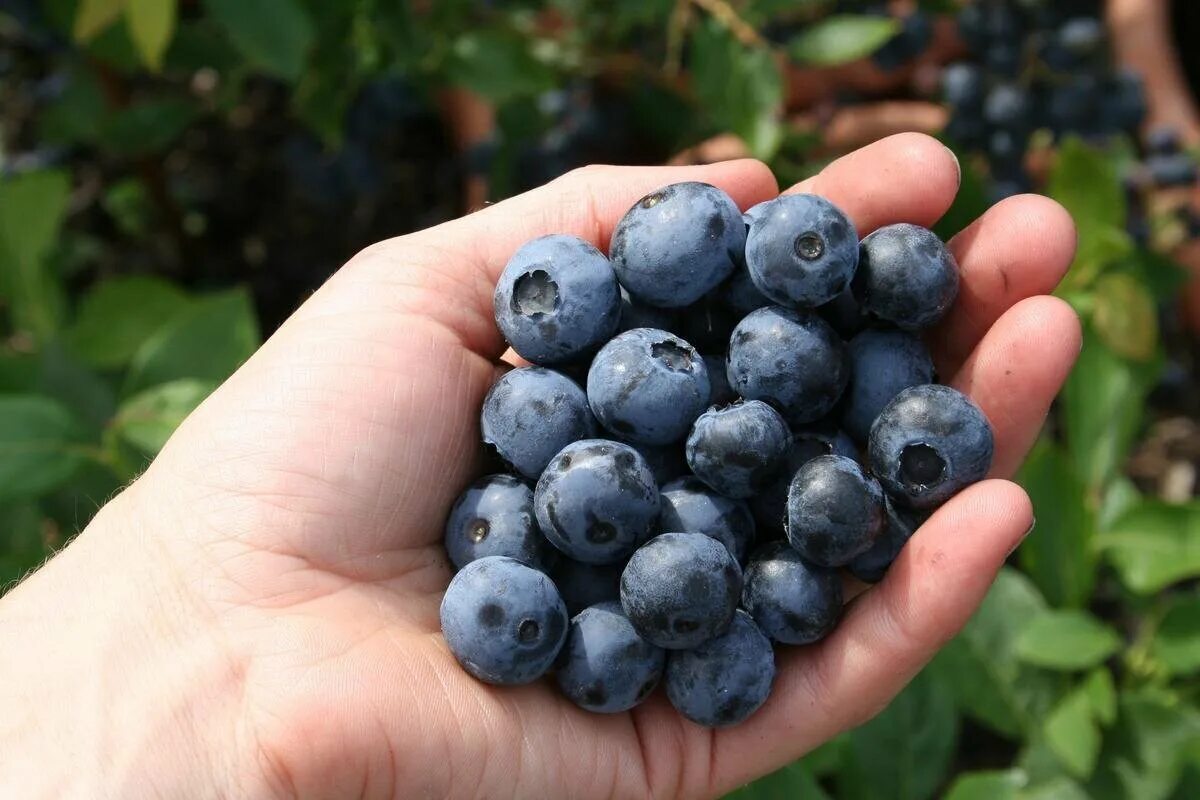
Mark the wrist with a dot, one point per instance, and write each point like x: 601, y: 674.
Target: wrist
x: 112, y: 682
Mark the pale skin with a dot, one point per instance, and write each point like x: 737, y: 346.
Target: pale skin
x: 257, y: 615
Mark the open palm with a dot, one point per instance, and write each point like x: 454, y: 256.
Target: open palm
x: 292, y: 528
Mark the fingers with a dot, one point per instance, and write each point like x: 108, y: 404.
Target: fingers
x: 887, y: 635
x: 909, y: 177
x: 1017, y: 369
x: 1019, y: 248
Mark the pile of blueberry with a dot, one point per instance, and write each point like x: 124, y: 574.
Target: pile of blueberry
x: 689, y: 508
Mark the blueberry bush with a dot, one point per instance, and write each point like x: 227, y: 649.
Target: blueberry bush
x: 176, y: 176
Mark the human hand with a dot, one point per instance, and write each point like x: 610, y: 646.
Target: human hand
x: 257, y: 615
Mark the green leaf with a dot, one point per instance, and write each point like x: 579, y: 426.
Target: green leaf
x: 1103, y: 400
x: 794, y: 780
x: 987, y: 786
x: 1124, y: 316
x: 980, y: 666
x: 94, y: 16
x: 1066, y: 640
x: 207, y: 341
x: 274, y: 35
x: 38, y: 437
x: 1085, y: 181
x: 499, y: 65
x: 146, y: 127
x: 1119, y: 496
x: 148, y: 419
x: 1176, y: 643
x: 738, y: 87
x: 1102, y: 695
x: 117, y: 315
x: 91, y: 397
x: 1161, y: 276
x: 1153, y: 545
x: 151, y: 26
x: 842, y: 38
x: 1156, y: 735
x: 1071, y: 733
x: 1058, y: 555
x: 1060, y: 788
x: 903, y: 753
x: 32, y: 207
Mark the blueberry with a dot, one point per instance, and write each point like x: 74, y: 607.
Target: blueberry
x: 793, y: 601
x: 1163, y: 140
x: 582, y: 585
x: 647, y: 386
x: 1008, y: 106
x: 677, y: 243
x: 640, y: 315
x: 666, y: 461
x: 740, y: 294
x: 1072, y: 106
x: 531, y: 413
x: 790, y: 359
x: 899, y: 526
x: 1081, y: 36
x: 770, y: 504
x: 680, y: 589
x: 834, y: 511
x: 906, y: 276
x: 504, y: 621
x: 914, y: 37
x: 962, y: 86
x: 557, y: 300
x: 738, y: 449
x: 597, y: 501
x: 724, y: 680
x: 690, y: 506
x: 720, y: 392
x: 882, y: 364
x: 754, y: 212
x: 1173, y: 170
x: 494, y: 517
x: 928, y: 443
x: 801, y: 251
x: 1125, y: 109
x: 605, y: 666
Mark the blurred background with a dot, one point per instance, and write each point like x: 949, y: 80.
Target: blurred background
x: 176, y: 177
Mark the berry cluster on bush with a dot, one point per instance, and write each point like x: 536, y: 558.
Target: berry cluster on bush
x: 686, y: 509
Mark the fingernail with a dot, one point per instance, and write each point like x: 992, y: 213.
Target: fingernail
x: 1024, y: 536
x: 957, y: 165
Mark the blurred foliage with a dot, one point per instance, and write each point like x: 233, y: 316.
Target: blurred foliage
x: 1078, y: 676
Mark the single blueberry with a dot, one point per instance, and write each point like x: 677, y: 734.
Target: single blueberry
x: 801, y: 251
x: 724, y: 680
x: 597, y: 501
x: 557, y: 300
x: 503, y: 620
x: 899, y: 526
x: 962, y: 85
x: 604, y: 665
x: 770, y: 505
x: 1082, y: 36
x: 648, y: 386
x: 1172, y: 170
x: 720, y: 392
x: 1163, y: 140
x: 834, y: 511
x: 680, y: 589
x: 582, y: 585
x: 906, y: 276
x: 690, y: 506
x: 793, y: 601
x: 929, y: 443
x: 739, y: 449
x: 494, y: 517
x: 882, y: 364
x: 1008, y: 106
x: 677, y: 243
x: 531, y: 413
x: 790, y: 359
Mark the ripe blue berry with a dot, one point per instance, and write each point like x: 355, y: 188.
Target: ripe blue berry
x: 906, y: 276
x: 680, y: 589
x: 531, y: 413
x: 557, y: 300
x: 790, y: 359
x: 770, y: 504
x: 899, y: 526
x: 604, y: 665
x: 835, y: 511
x: 647, y: 386
x: 724, y: 680
x: 801, y: 251
x: 882, y: 364
x: 929, y: 443
x: 597, y: 501
x: 494, y: 517
x: 504, y: 621
x: 738, y: 449
x: 677, y: 243
x: 692, y: 507
x: 792, y: 600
